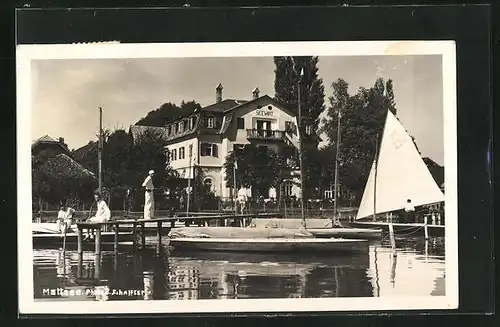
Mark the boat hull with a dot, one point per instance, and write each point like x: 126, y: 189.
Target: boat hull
x: 402, y: 229
x: 270, y: 245
x: 351, y: 233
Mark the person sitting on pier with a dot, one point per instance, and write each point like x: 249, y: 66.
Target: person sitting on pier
x: 67, y: 220
x: 103, y: 214
x: 61, y: 215
x: 149, y: 200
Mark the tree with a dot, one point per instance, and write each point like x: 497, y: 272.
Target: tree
x: 258, y: 168
x: 203, y: 197
x: 126, y: 162
x: 287, y: 74
x: 362, y: 120
x: 168, y: 112
x: 60, y: 180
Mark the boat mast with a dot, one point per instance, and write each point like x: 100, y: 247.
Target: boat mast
x: 99, y: 151
x: 299, y: 132
x: 375, y: 180
x: 337, y: 155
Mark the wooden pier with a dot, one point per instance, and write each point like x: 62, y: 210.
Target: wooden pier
x: 163, y: 225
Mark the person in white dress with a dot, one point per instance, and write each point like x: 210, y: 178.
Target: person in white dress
x: 242, y: 199
x: 61, y: 216
x: 149, y: 201
x: 103, y: 214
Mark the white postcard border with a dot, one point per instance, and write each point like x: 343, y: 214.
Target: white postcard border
x: 27, y: 53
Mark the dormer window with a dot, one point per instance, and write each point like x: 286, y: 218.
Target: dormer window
x: 191, y: 123
x: 181, y: 127
x: 169, y: 129
x: 211, y: 122
x: 174, y: 129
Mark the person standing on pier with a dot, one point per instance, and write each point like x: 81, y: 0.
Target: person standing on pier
x: 149, y: 201
x: 409, y: 212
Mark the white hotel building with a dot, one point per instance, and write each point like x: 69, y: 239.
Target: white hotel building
x: 216, y: 130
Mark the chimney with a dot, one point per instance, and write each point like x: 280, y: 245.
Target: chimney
x: 218, y: 93
x: 255, y: 93
x: 61, y: 140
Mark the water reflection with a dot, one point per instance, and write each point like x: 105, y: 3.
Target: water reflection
x: 417, y: 268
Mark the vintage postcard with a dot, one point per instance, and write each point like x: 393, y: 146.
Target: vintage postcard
x: 237, y: 177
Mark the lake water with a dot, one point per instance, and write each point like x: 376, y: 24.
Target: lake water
x: 417, y: 269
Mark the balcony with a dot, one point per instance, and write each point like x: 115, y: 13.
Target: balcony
x: 263, y: 134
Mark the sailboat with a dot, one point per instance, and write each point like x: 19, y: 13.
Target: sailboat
x: 398, y: 174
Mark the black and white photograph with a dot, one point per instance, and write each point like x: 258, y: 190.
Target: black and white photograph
x: 277, y: 177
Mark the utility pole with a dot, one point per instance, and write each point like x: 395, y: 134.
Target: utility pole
x: 299, y: 128
x: 99, y: 151
x: 337, y: 155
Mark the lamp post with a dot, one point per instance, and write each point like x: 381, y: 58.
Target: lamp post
x: 299, y: 132
x: 337, y: 155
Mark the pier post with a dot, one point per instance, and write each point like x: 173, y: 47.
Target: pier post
x: 391, y: 236
x: 116, y: 238
x: 97, y: 264
x: 80, y: 240
x: 98, y: 240
x: 143, y: 236
x: 80, y: 266
x: 158, y: 233
x: 426, y: 229
x: 134, y: 236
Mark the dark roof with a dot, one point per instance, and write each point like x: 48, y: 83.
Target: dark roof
x: 137, y: 130
x: 44, y: 139
x: 82, y: 151
x: 223, y: 105
x: 64, y: 165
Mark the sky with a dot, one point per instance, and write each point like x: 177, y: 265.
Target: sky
x: 66, y: 94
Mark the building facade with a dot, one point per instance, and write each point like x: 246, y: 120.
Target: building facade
x: 204, y: 138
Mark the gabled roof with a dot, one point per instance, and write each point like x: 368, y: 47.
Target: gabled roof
x: 44, y: 139
x: 63, y: 164
x: 137, y: 130
x: 223, y: 105
x: 264, y: 97
x: 82, y: 151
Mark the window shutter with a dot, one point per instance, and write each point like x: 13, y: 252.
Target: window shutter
x: 215, y: 150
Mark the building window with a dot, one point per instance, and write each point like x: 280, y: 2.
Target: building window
x: 182, y: 153
x: 287, y: 188
x: 308, y: 129
x: 208, y: 183
x: 173, y: 155
x: 191, y: 123
x: 211, y: 122
x: 181, y: 127
x: 240, y: 123
x: 209, y: 150
x: 328, y: 194
x: 174, y: 129
x: 238, y: 148
x: 168, y: 130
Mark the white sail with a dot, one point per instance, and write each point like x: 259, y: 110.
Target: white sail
x: 400, y: 174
